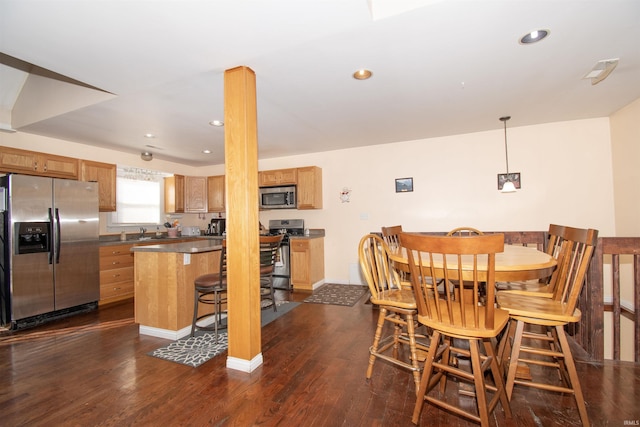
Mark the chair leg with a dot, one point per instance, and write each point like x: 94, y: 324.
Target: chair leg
x: 411, y: 333
x: 195, y: 312
x: 515, y: 354
x: 273, y: 295
x: 498, y: 379
x: 573, y: 375
x: 478, y: 381
x: 376, y: 341
x: 426, y: 377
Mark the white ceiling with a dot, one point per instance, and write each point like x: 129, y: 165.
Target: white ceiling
x: 439, y: 68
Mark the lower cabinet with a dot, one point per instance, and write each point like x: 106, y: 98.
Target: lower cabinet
x: 307, y: 262
x: 116, y: 273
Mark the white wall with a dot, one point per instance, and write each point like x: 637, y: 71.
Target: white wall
x: 566, y: 178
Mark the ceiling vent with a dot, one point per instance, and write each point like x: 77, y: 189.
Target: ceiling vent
x: 601, y: 70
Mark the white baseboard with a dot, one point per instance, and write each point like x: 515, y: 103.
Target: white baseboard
x: 243, y: 364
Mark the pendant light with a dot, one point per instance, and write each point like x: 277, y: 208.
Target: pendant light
x: 508, y: 186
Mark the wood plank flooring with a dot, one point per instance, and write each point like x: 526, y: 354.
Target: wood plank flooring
x: 93, y: 369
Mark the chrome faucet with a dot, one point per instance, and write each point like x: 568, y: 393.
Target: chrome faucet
x: 142, y: 231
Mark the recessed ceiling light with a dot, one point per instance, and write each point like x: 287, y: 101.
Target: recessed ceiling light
x: 206, y: 151
x: 216, y: 123
x: 149, y: 135
x: 534, y: 36
x: 362, y: 74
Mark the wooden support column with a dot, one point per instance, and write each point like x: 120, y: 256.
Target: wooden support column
x: 241, y: 186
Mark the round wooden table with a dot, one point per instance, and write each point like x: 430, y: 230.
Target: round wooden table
x: 516, y: 263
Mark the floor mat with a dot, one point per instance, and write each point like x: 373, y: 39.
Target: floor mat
x: 335, y: 294
x: 194, y: 351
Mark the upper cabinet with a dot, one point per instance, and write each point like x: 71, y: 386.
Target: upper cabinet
x: 215, y: 194
x: 34, y: 163
x: 105, y: 175
x: 195, y: 194
x: 185, y: 194
x: 309, y: 188
x: 308, y: 182
x: 174, y: 194
x: 277, y: 177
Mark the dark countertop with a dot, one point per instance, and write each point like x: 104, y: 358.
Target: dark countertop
x: 195, y: 246
x: 110, y: 240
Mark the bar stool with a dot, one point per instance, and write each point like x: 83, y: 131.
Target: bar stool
x: 211, y: 289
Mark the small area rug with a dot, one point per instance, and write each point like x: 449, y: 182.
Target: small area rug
x: 194, y: 351
x: 335, y: 294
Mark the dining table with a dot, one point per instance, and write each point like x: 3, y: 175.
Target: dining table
x: 515, y: 263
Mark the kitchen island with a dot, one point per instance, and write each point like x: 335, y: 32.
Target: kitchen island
x: 163, y: 284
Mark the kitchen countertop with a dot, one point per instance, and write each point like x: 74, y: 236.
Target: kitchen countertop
x: 196, y: 246
x: 110, y: 240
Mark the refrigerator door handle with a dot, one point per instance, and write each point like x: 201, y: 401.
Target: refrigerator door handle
x: 50, y: 237
x: 57, y: 234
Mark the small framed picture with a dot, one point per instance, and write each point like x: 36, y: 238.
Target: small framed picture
x: 404, y: 185
x: 513, y: 177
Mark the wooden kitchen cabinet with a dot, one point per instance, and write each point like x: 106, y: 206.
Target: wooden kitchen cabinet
x: 307, y: 262
x: 277, y: 177
x: 309, y: 188
x: 174, y: 194
x: 185, y: 194
x: 116, y: 273
x: 41, y: 164
x: 215, y: 194
x: 195, y: 194
x: 105, y: 175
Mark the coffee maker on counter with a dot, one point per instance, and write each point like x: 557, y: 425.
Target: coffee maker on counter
x: 217, y: 227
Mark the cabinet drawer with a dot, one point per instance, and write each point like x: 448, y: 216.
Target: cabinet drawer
x: 106, y: 251
x: 116, y: 290
x: 299, y: 245
x: 116, y: 261
x: 116, y: 275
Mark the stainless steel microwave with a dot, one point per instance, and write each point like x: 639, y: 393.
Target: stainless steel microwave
x: 278, y: 197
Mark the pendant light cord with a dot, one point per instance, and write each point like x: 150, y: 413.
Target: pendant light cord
x: 506, y: 150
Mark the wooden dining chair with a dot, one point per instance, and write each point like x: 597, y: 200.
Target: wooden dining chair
x: 269, y: 247
x: 461, y: 321
x: 546, y: 286
x: 465, y: 231
x: 391, y: 236
x: 397, y: 307
x: 536, y: 334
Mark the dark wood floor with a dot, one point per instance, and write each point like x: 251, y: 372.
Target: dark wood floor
x: 93, y: 369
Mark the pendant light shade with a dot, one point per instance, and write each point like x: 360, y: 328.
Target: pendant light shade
x: 508, y: 186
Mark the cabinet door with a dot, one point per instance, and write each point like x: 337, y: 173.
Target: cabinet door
x: 174, y: 194
x: 195, y: 199
x: 277, y: 177
x: 20, y: 161
x: 215, y: 194
x: 58, y: 166
x: 309, y: 188
x: 300, y: 262
x: 105, y: 175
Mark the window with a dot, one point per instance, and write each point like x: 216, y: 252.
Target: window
x: 139, y: 199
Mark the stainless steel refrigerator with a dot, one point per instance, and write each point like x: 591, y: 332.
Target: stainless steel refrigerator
x: 50, y: 233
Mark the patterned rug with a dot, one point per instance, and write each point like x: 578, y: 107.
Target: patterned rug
x: 194, y: 351
x: 334, y: 294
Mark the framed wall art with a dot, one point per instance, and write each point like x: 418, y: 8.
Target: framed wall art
x: 513, y: 177
x: 404, y: 185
